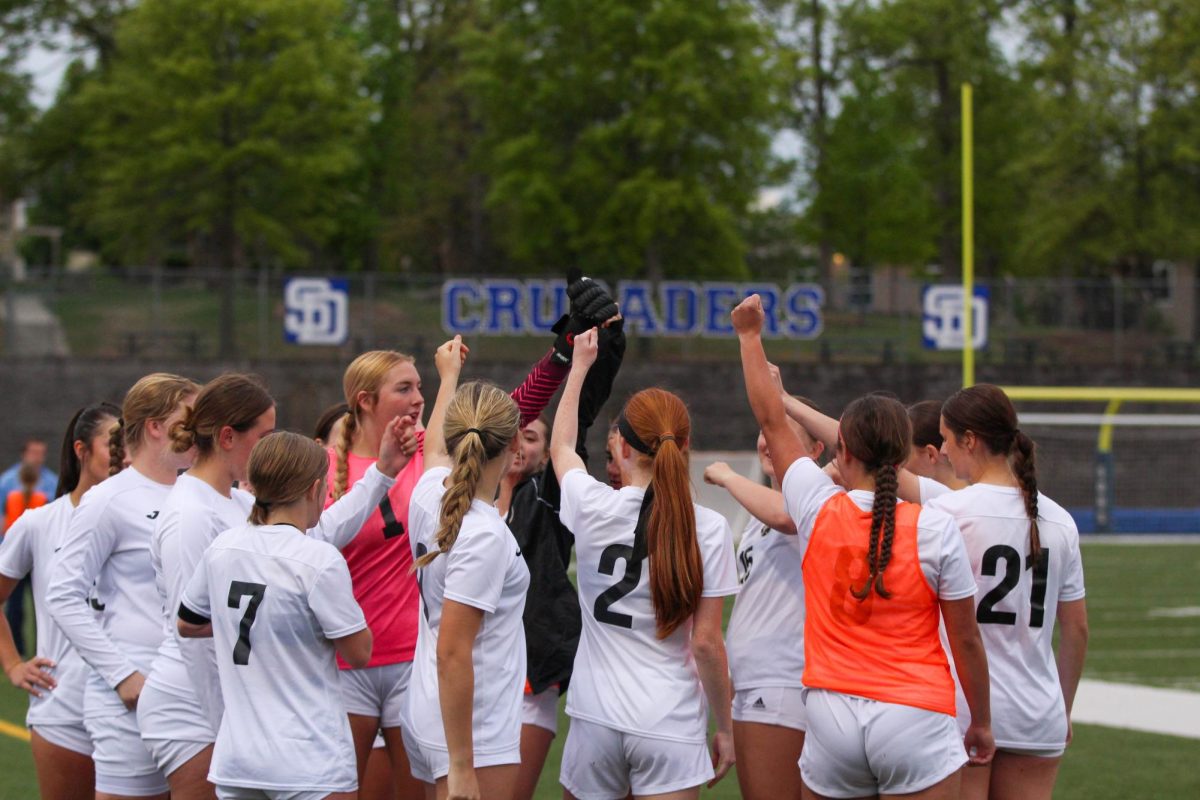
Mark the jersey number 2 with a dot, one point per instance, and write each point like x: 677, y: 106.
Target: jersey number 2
x: 633, y: 574
x: 238, y: 590
x: 987, y: 612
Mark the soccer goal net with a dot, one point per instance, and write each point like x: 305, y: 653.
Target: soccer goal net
x: 1122, y: 472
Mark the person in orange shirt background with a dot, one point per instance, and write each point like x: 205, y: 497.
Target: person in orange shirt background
x: 24, y: 498
x: 879, y: 575
x: 17, y: 501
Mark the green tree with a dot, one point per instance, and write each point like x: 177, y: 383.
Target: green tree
x: 879, y: 205
x: 625, y: 137
x: 228, y: 125
x: 424, y: 194
x: 923, y: 50
x: 80, y: 25
x: 16, y: 113
x: 810, y: 52
x: 1114, y: 170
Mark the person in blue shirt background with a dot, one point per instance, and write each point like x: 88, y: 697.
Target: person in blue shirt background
x: 32, y: 452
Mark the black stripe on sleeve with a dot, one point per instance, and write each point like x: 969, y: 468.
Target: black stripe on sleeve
x: 191, y: 617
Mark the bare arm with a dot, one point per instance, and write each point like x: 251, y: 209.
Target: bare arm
x: 970, y: 662
x: 449, y: 360
x: 821, y: 427
x: 566, y: 419
x: 708, y: 648
x: 763, y: 392
x: 764, y: 503
x: 28, y: 675
x: 456, y: 680
x: 355, y: 649
x: 190, y: 623
x: 192, y: 630
x: 1072, y: 648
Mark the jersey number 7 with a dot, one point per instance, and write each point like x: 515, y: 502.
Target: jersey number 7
x: 238, y: 590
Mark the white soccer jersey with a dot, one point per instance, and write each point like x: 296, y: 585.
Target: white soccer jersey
x: 276, y: 598
x: 193, y: 515
x: 940, y: 549
x: 108, y: 543
x: 625, y: 677
x: 765, y: 638
x: 484, y: 569
x: 1016, y: 606
x: 29, y: 547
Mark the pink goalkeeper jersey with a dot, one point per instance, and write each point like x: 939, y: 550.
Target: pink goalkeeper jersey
x: 380, y: 561
x: 380, y: 557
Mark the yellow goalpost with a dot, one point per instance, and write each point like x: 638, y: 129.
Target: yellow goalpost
x: 1112, y: 396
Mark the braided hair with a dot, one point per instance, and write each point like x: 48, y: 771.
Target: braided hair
x: 986, y: 411
x: 365, y: 374
x: 481, y: 421
x: 876, y: 431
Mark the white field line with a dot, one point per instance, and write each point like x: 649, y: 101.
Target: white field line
x: 1139, y: 538
x: 1140, y: 708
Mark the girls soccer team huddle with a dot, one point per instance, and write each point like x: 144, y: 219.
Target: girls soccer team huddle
x: 391, y: 615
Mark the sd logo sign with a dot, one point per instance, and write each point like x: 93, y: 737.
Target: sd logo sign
x: 316, y: 310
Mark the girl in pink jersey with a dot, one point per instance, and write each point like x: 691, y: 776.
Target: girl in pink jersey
x: 380, y: 385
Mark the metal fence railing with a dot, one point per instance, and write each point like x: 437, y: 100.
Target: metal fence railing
x: 120, y: 313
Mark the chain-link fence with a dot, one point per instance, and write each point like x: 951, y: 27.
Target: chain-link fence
x: 877, y: 317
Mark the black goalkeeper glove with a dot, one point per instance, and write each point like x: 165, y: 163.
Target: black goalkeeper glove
x: 590, y: 301
x: 591, y: 306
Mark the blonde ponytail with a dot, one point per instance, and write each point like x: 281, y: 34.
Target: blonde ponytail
x: 481, y: 421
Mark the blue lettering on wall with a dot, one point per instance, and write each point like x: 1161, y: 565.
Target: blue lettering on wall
x: 634, y: 299
x: 681, y: 307
x: 506, y: 306
x: 769, y: 293
x: 804, y: 302
x: 547, y: 303
x: 457, y: 316
x: 720, y: 298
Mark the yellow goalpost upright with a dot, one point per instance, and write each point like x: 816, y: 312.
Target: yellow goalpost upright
x: 1112, y: 396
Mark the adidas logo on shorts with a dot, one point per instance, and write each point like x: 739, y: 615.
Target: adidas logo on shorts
x: 759, y: 704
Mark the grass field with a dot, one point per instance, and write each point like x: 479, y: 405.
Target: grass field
x: 1143, y: 604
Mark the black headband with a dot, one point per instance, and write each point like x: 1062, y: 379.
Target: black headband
x: 630, y: 436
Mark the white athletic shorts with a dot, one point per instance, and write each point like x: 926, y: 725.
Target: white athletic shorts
x: 69, y: 737
x: 541, y: 710
x: 376, y: 691
x: 241, y: 793
x: 857, y: 747
x: 602, y: 763
x: 123, y: 764
x: 771, y: 705
x: 429, y: 763
x: 174, y: 729
x: 1036, y: 752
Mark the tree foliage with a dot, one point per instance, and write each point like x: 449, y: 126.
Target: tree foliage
x: 235, y: 140
x: 625, y: 137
